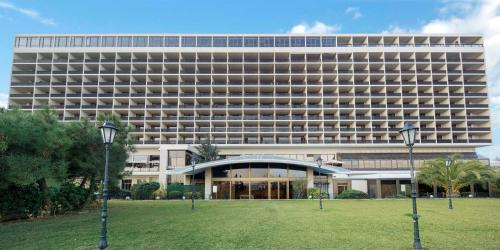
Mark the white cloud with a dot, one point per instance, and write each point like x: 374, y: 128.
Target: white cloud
x: 395, y: 29
x: 28, y: 12
x: 3, y: 100
x: 354, y: 11
x: 317, y: 28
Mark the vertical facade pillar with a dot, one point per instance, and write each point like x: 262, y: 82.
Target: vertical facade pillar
x: 208, y: 183
x: 310, y: 178
x: 398, y: 187
x: 162, y: 178
x: 490, y: 190
x: 379, y: 188
x: 330, y: 186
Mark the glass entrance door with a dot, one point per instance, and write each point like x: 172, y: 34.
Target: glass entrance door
x: 279, y: 190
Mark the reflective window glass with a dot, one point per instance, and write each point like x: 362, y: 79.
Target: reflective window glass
x: 108, y: 41
x: 235, y: 42
x: 77, y: 41
x: 61, y: 41
x: 297, y: 172
x: 240, y: 171
x: 204, y: 41
x: 45, y: 42
x: 171, y: 41
x: 22, y: 42
x: 220, y: 172
x: 259, y: 170
x: 328, y: 41
x: 297, y: 41
x: 140, y: 41
x: 266, y: 42
x: 156, y: 41
x: 92, y: 41
x: 188, y: 41
x: 220, y: 42
x: 124, y: 41
x: 282, y: 42
x: 251, y: 42
x: 313, y: 41
x: 34, y: 41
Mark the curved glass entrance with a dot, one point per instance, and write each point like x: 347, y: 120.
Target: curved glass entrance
x: 259, y: 181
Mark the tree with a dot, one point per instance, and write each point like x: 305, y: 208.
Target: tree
x: 207, y: 151
x: 462, y: 173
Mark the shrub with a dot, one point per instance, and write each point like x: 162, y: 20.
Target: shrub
x: 175, y: 194
x: 20, y: 202
x: 144, y: 191
x: 314, y: 193
x: 67, y: 197
x: 197, y: 195
x: 353, y: 194
x: 160, y: 192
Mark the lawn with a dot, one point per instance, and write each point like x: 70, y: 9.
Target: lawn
x: 343, y: 224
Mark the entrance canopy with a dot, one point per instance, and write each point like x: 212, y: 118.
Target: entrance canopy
x: 326, y: 169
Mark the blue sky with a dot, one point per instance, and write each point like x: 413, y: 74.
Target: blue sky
x: 256, y: 16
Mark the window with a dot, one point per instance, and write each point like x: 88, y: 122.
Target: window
x: 124, y: 41
x: 314, y: 41
x: 108, y: 41
x: 171, y: 41
x: 266, y: 42
x: 34, y: 41
x: 77, y: 41
x: 92, y: 41
x: 251, y: 42
x: 220, y: 42
x: 188, y: 41
x: 204, y: 41
x: 328, y: 41
x: 156, y: 41
x: 282, y: 42
x: 297, y: 42
x: 140, y: 41
x: 126, y: 184
x: 45, y: 42
x: 235, y: 42
x: 21, y: 42
x: 61, y: 41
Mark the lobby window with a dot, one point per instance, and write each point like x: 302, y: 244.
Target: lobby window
x: 297, y: 42
x: 77, y: 41
x: 204, y: 41
x: 328, y: 41
x: 124, y: 41
x: 296, y: 172
x: 188, y: 41
x: 282, y: 42
x: 220, y: 42
x: 140, y: 41
x: 221, y: 172
x: 108, y: 41
x: 266, y: 42
x: 156, y: 41
x: 251, y: 42
x: 171, y: 41
x: 235, y: 42
x: 92, y: 41
x: 61, y: 41
x: 314, y: 41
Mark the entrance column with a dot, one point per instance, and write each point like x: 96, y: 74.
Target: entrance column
x: 310, y: 178
x: 379, y: 189
x: 330, y: 186
x: 163, y: 167
x: 208, y: 183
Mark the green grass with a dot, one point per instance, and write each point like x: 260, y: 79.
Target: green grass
x: 343, y: 224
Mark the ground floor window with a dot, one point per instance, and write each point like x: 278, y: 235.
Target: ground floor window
x: 126, y: 184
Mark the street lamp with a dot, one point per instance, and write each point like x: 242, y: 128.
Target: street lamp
x: 320, y: 162
x: 192, y: 182
x: 409, y: 133
x: 108, y: 132
x: 448, y: 164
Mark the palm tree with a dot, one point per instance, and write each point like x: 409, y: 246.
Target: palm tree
x: 207, y: 151
x: 462, y: 173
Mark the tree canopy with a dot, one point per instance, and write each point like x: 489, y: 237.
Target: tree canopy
x: 207, y: 151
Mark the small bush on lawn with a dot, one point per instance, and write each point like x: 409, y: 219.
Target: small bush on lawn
x: 353, y: 194
x: 67, y: 197
x: 175, y: 194
x: 314, y: 193
x: 144, y: 191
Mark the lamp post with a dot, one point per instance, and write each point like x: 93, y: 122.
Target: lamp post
x: 192, y: 182
x: 108, y: 131
x: 320, y: 162
x: 409, y: 133
x: 448, y: 164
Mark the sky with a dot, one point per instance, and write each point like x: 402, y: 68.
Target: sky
x: 257, y: 16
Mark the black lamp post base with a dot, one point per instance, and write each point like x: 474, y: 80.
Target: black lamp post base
x: 103, y: 244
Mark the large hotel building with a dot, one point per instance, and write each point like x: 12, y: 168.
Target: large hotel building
x: 271, y: 103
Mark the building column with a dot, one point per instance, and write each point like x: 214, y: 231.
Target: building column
x: 330, y: 186
x: 208, y: 183
x: 398, y: 187
x: 490, y: 190
x: 472, y: 190
x: 162, y: 179
x: 310, y: 178
x: 379, y: 188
